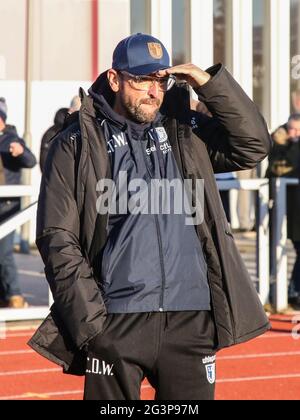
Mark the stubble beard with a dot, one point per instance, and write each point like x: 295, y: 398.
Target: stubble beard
x: 136, y: 113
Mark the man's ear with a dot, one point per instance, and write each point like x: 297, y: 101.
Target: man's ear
x: 113, y: 80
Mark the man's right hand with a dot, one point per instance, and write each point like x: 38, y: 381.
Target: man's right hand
x: 16, y: 149
x: 192, y: 74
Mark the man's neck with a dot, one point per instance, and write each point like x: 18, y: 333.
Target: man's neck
x: 2, y: 126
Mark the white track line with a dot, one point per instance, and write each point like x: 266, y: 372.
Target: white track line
x: 258, y: 378
x: 29, y: 372
x: 15, y: 352
x: 41, y: 395
x: 274, y: 335
x: 257, y: 356
x: 45, y: 395
x: 19, y: 335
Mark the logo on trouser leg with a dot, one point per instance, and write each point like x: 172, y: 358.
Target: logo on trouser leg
x: 210, y: 367
x: 97, y: 367
x: 211, y: 373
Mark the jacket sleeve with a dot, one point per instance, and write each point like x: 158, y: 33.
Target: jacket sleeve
x: 236, y: 136
x: 27, y: 159
x: 77, y: 298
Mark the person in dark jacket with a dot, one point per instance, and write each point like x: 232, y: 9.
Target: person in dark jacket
x: 14, y: 156
x: 59, y: 121
x: 139, y: 293
x: 284, y: 161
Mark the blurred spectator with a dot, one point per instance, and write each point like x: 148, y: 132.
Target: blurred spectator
x: 14, y: 156
x: 225, y: 195
x: 296, y: 101
x: 58, y: 125
x: 245, y: 203
x: 59, y: 121
x: 284, y: 161
x: 75, y: 104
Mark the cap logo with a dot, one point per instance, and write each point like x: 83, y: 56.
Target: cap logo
x: 155, y: 50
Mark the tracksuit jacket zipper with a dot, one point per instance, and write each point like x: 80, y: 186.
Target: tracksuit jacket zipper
x: 185, y: 175
x: 160, y: 247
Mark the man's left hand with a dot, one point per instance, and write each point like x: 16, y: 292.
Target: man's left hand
x: 193, y: 75
x: 16, y: 149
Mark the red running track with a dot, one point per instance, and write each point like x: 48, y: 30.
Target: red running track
x: 267, y: 368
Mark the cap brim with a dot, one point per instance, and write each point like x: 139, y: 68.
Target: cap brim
x: 147, y: 69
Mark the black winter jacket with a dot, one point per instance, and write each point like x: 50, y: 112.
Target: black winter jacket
x: 70, y: 233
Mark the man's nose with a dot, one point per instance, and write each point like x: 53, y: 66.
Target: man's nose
x: 154, y: 90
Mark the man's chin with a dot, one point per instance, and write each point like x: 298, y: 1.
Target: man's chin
x: 146, y: 117
x: 143, y: 114
x: 149, y: 112
x: 149, y: 118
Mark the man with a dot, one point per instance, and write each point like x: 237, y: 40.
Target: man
x: 14, y: 156
x: 75, y: 104
x: 59, y: 121
x: 139, y: 294
x: 284, y: 161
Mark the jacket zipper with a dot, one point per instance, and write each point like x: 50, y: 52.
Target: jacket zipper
x: 163, y: 274
x: 160, y: 247
x: 181, y: 154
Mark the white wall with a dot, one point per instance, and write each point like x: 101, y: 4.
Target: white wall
x: 62, y: 39
x: 114, y: 25
x: 12, y: 39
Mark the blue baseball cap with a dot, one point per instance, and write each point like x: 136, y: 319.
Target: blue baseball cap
x: 140, y: 54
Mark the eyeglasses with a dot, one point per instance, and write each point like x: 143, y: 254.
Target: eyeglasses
x: 144, y: 83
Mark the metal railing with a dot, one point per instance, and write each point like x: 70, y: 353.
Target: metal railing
x: 279, y: 244
x: 261, y: 186
x: 18, y: 220
x: 278, y: 275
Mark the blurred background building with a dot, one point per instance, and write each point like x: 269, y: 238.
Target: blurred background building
x: 65, y: 44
